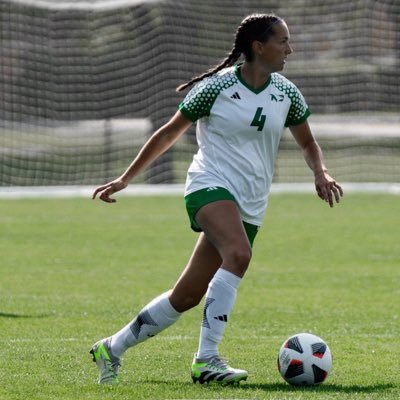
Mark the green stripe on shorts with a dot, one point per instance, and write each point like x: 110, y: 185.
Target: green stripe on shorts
x: 194, y: 201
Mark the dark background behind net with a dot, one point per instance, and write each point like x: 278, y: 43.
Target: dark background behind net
x: 62, y: 65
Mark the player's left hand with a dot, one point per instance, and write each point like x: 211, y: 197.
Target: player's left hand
x: 327, y: 188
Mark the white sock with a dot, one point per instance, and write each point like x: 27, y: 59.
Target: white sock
x: 152, y: 319
x: 220, y: 297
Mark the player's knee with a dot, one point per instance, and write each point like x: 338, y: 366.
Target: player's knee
x: 239, y: 259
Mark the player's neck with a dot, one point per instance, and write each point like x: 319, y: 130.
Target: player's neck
x: 254, y: 75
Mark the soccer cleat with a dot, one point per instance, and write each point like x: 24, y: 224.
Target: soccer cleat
x: 106, y: 362
x: 216, y: 369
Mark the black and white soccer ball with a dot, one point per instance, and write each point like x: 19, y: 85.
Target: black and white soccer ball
x: 304, y: 359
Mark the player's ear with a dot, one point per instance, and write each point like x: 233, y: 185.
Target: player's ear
x: 257, y: 47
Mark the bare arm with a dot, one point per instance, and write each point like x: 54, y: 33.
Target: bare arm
x: 158, y: 143
x: 325, y: 185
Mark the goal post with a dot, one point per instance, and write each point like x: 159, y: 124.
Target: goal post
x: 84, y: 83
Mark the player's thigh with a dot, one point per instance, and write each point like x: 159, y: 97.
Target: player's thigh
x: 222, y: 224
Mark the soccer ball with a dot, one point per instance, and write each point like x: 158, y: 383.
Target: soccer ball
x: 304, y: 359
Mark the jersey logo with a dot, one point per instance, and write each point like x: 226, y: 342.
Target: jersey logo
x: 235, y: 96
x: 277, y: 97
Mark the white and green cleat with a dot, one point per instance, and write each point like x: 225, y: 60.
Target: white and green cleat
x: 106, y: 362
x: 217, y: 370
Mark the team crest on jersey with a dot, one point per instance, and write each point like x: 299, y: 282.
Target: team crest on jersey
x: 277, y: 97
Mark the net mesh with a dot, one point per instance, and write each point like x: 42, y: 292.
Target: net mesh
x: 83, y: 84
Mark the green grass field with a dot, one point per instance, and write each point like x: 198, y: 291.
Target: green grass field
x: 74, y: 271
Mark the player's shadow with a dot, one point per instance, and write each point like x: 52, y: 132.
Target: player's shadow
x: 14, y: 315
x: 325, y: 388
x: 280, y: 388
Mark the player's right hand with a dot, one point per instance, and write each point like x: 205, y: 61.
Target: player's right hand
x: 105, y: 191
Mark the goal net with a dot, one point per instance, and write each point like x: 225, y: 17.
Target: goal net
x: 84, y: 83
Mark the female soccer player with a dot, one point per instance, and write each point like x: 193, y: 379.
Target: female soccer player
x: 241, y: 111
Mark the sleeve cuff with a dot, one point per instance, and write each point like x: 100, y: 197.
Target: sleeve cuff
x: 186, y: 112
x: 300, y: 120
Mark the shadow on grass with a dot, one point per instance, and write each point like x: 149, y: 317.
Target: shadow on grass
x: 12, y: 315
x: 325, y: 388
x: 285, y: 388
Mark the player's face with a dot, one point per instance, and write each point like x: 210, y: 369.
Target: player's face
x: 275, y: 51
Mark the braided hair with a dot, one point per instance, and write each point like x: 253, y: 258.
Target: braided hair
x: 254, y: 27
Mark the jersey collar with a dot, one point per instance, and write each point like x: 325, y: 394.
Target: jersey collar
x: 256, y: 91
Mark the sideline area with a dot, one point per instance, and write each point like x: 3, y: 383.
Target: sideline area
x: 22, y: 192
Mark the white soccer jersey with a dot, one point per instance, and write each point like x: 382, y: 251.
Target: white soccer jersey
x: 238, y: 133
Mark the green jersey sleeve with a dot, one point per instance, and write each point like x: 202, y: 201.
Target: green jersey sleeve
x: 200, y: 99
x: 298, y: 111
x: 196, y: 104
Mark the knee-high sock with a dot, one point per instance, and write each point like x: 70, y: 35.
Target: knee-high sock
x: 152, y: 319
x: 220, y: 297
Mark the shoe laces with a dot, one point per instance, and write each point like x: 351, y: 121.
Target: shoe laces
x: 219, y: 362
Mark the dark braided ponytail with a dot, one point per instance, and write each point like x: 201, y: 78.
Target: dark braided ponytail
x: 253, y: 27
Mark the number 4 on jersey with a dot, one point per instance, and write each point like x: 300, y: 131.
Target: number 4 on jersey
x: 259, y: 119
